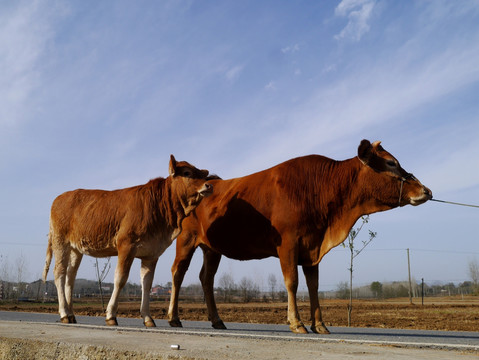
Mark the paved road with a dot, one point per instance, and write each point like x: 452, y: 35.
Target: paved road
x: 462, y: 341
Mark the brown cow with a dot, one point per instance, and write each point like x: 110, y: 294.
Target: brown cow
x: 136, y: 222
x: 297, y: 211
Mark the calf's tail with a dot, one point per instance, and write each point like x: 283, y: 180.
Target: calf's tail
x: 48, y: 259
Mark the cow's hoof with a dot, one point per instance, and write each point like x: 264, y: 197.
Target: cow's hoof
x: 219, y: 325
x: 111, y: 322
x: 298, y: 329
x: 72, y: 319
x: 175, y: 323
x: 320, y: 329
x: 149, y: 323
x: 65, y: 320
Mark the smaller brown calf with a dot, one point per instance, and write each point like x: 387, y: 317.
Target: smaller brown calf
x: 136, y: 222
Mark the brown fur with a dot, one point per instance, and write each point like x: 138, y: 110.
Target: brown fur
x: 136, y: 222
x: 296, y: 211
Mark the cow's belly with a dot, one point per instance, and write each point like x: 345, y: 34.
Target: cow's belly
x: 243, y: 245
x: 152, y: 248
x: 95, y: 247
x: 144, y: 247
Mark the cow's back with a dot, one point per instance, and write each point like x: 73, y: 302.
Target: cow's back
x: 250, y: 217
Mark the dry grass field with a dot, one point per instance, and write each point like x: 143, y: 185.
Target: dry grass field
x: 448, y: 313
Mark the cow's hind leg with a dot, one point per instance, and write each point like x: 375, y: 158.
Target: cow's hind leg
x: 184, y: 252
x: 62, y: 257
x: 311, y: 275
x: 211, y: 261
x: 147, y: 273
x: 126, y: 255
x: 74, y: 263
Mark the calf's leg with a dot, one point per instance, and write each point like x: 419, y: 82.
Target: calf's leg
x: 62, y: 257
x: 74, y: 263
x: 311, y: 275
x: 147, y: 273
x: 126, y: 255
x: 211, y: 261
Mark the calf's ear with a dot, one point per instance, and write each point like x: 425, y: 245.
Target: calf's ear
x: 172, y: 167
x: 365, y: 151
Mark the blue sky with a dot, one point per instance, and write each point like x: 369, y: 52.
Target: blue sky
x: 99, y: 94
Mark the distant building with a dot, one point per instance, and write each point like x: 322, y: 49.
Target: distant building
x: 160, y: 290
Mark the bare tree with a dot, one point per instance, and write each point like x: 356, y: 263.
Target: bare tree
x: 101, y: 275
x: 353, y: 253
x: 21, y: 268
x: 272, y: 285
x: 248, y: 289
x: 377, y: 289
x: 4, y: 276
x: 474, y: 274
x: 4, y: 268
x: 342, y: 290
x: 227, y: 285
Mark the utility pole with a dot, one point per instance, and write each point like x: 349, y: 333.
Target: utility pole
x: 409, y: 274
x: 422, y: 291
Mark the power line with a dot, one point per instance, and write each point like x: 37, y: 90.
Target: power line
x: 420, y: 250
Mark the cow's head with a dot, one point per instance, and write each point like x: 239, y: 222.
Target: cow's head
x: 188, y: 184
x: 391, y: 185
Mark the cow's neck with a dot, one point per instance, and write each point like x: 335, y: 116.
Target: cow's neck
x: 169, y: 208
x: 351, y: 201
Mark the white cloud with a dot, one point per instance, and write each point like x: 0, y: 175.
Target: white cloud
x: 270, y: 86
x: 455, y: 171
x: 24, y: 35
x: 369, y: 98
x: 329, y: 69
x: 233, y: 73
x: 359, y: 13
x: 290, y: 49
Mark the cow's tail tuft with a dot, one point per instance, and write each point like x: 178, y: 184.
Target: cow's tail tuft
x: 48, y: 259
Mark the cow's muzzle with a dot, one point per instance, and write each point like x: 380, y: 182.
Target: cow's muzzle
x: 206, y: 190
x: 425, y: 196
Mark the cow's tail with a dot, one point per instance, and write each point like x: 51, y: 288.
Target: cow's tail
x: 48, y: 259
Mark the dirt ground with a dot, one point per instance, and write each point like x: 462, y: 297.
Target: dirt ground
x: 450, y: 314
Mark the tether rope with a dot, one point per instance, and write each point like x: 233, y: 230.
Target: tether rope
x: 454, y: 203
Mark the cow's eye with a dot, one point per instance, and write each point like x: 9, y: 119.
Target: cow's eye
x: 391, y: 163
x: 187, y: 173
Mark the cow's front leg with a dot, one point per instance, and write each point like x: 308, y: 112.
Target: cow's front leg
x: 211, y: 261
x: 289, y: 266
x: 311, y: 275
x: 147, y: 273
x: 126, y: 256
x: 184, y: 252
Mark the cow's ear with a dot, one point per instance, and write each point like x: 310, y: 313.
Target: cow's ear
x: 365, y: 151
x: 172, y: 167
x: 377, y: 146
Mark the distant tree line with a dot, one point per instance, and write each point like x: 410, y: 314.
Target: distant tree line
x: 13, y: 287
x: 247, y: 290
x: 39, y: 291
x: 398, y: 289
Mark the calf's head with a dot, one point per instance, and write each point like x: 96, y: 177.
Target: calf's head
x: 389, y: 183
x: 188, y: 184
